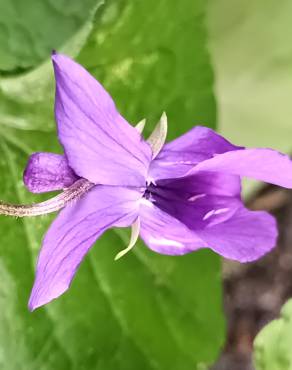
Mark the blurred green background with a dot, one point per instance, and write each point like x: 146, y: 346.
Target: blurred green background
x: 224, y: 64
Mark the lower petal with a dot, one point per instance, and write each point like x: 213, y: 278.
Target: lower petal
x: 245, y: 237
x: 74, y: 232
x: 164, y: 233
x: 195, y: 209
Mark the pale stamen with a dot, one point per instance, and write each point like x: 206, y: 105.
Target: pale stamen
x: 135, y: 229
x: 157, y: 139
x: 140, y: 126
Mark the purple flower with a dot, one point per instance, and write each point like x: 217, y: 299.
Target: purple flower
x: 180, y: 197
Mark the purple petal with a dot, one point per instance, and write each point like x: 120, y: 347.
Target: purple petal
x: 198, y: 200
x: 47, y: 172
x: 99, y: 144
x: 164, y: 233
x: 177, y: 208
x: 262, y: 164
x: 246, y: 236
x: 197, y: 211
x: 212, y: 183
x: 182, y: 154
x: 73, y: 233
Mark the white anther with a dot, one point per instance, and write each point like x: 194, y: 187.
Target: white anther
x: 157, y: 139
x: 140, y: 126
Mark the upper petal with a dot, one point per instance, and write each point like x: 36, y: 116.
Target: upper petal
x: 244, y: 237
x: 99, y: 144
x: 48, y: 172
x: 73, y: 233
x: 180, y: 155
x: 262, y: 164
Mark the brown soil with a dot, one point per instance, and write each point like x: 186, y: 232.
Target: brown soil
x: 255, y: 292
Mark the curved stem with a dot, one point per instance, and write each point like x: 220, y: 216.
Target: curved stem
x: 54, y: 204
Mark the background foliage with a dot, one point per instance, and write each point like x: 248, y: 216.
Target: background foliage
x: 250, y: 47
x: 251, y: 53
x: 273, y: 344
x: 31, y: 29
x: 145, y: 311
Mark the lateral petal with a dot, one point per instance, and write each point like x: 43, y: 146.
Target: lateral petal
x: 99, y: 143
x: 180, y: 155
x: 244, y: 237
x: 73, y: 233
x: 48, y: 172
x: 262, y: 164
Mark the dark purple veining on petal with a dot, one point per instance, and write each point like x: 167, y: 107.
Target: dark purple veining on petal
x: 195, y: 203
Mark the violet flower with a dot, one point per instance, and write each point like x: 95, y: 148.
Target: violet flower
x: 179, y: 197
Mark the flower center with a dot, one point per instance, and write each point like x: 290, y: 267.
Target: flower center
x: 147, y: 194
x: 151, y: 190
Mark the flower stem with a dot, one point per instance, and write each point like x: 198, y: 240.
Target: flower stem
x: 75, y: 191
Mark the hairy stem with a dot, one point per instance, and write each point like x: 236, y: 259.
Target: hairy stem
x: 75, y: 191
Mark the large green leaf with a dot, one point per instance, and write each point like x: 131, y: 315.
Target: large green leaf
x: 152, y: 56
x: 26, y: 101
x: 273, y: 344
x: 30, y: 29
x: 145, y: 311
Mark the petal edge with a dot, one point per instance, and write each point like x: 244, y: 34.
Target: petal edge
x: 73, y: 233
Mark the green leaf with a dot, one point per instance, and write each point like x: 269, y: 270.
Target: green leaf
x: 251, y: 50
x: 26, y: 101
x: 146, y: 311
x: 31, y: 29
x: 272, y: 346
